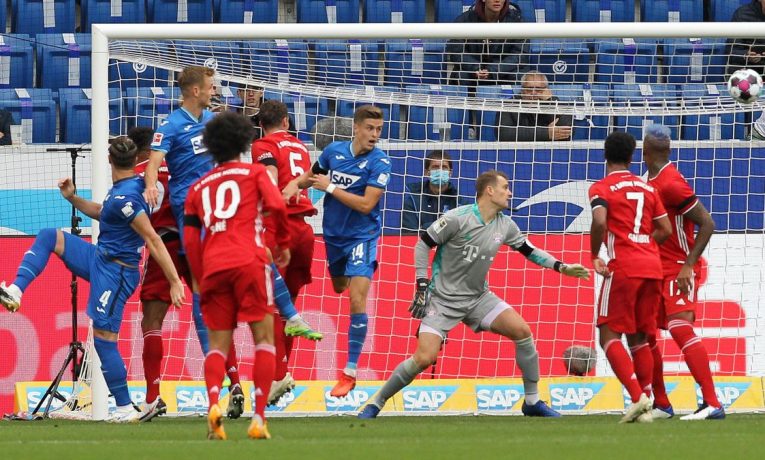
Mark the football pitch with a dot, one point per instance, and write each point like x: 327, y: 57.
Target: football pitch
x: 422, y: 438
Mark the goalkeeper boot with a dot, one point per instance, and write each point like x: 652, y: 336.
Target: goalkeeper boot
x: 280, y: 388
x: 661, y: 413
x: 298, y: 327
x: 369, y: 411
x: 215, y: 429
x: 126, y: 414
x: 343, y: 386
x: 154, y: 409
x: 706, y: 412
x: 235, y: 402
x: 635, y: 410
x: 10, y: 297
x: 258, y: 428
x: 539, y: 409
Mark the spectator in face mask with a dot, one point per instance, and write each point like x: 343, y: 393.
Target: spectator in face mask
x: 426, y: 200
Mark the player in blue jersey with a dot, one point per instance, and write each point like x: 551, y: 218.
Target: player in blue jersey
x: 354, y: 175
x: 111, y: 266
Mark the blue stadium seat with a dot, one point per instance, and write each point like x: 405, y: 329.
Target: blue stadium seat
x: 391, y: 112
x: 28, y: 17
x: 277, y: 61
x: 148, y: 106
x: 487, y: 119
x: 644, y: 96
x: 124, y: 75
x: 394, y: 11
x: 722, y: 10
x: 586, y: 97
x: 672, y: 10
x: 413, y: 62
x: 722, y: 126
x: 75, y: 114
x: 694, y: 60
x: 110, y: 12
x: 169, y: 11
x: 304, y: 110
x: 437, y: 123
x: 603, y: 11
x: 328, y: 11
x: 542, y: 10
x: 448, y: 10
x: 347, y: 62
x: 63, y: 61
x: 561, y: 61
x: 246, y: 11
x: 35, y: 110
x: 3, y: 14
x: 626, y: 61
x: 16, y: 60
x: 224, y: 56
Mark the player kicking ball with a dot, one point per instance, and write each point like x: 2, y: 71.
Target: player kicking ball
x: 467, y: 240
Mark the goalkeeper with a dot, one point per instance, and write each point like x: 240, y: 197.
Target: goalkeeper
x: 467, y: 240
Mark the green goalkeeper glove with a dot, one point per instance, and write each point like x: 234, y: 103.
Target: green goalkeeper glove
x: 419, y: 306
x: 575, y: 270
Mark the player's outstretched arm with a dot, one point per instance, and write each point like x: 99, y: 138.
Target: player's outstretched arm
x: 192, y: 233
x: 87, y: 207
x: 701, y: 217
x: 158, y: 251
x: 544, y: 259
x: 360, y: 203
x: 151, y: 193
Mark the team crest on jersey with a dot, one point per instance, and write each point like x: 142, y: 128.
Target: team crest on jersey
x: 363, y: 164
x: 157, y: 139
x: 343, y: 180
x: 497, y: 237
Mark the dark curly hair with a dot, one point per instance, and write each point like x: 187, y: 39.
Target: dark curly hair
x: 227, y: 136
x: 619, y: 147
x: 141, y: 136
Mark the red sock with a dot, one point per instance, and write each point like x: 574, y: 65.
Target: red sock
x: 263, y: 375
x: 152, y: 362
x: 280, y: 342
x: 696, y: 357
x: 660, y: 397
x: 622, y: 365
x: 215, y: 369
x: 232, y: 366
x: 643, y: 363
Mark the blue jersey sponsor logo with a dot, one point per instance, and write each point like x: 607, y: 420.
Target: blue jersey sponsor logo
x: 498, y: 397
x: 727, y: 392
x: 426, y: 398
x: 287, y: 399
x: 573, y: 396
x: 351, y: 402
x: 191, y: 399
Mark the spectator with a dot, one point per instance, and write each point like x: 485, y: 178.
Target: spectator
x: 252, y: 98
x: 749, y: 53
x: 523, y: 127
x: 426, y: 200
x: 491, y: 61
x: 331, y: 129
x: 6, y: 120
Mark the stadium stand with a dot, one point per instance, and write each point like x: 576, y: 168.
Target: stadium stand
x: 148, y: 106
x: 694, y: 60
x: 246, y: 11
x: 170, y: 11
x: 35, y: 110
x: 646, y: 95
x: 603, y: 10
x: 305, y: 110
x: 394, y: 11
x: 626, y: 61
x: 75, y: 117
x: 63, y: 61
x: 281, y: 61
x: 561, y: 61
x: 16, y: 61
x: 672, y: 10
x: 347, y: 63
x: 709, y: 127
x: 413, y: 62
x: 542, y: 10
x: 31, y: 17
x: 391, y: 113
x: 109, y: 11
x: 722, y: 10
x: 328, y: 11
x: 437, y: 123
x: 448, y: 10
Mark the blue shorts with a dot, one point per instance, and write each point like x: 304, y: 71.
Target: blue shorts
x: 178, y: 213
x: 111, y: 284
x: 357, y: 258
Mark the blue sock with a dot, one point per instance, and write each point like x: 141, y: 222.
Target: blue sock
x: 199, y: 323
x: 36, y: 258
x: 357, y: 333
x: 282, y: 297
x: 114, y: 370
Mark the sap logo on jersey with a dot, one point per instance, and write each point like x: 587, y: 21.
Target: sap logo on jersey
x: 498, y: 397
x: 350, y: 402
x: 287, y: 399
x: 573, y: 396
x: 191, y: 399
x: 197, y: 145
x: 669, y: 386
x: 428, y: 398
x: 343, y: 180
x: 727, y: 392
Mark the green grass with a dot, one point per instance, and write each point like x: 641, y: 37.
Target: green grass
x: 423, y: 438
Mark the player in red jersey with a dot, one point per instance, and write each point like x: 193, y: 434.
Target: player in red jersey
x: 235, y: 278
x: 680, y: 256
x: 155, y: 288
x: 627, y: 215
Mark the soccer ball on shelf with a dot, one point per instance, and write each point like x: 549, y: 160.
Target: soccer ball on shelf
x: 745, y: 85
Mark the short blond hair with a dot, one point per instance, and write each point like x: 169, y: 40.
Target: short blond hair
x: 193, y: 75
x: 365, y: 112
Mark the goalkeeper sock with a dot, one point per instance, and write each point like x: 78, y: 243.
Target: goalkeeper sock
x: 113, y: 368
x: 660, y: 397
x: 282, y: 297
x: 263, y: 375
x: 622, y: 366
x: 279, y: 345
x: 528, y: 360
x: 643, y: 363
x: 402, y: 376
x: 215, y: 368
x: 696, y: 357
x: 36, y: 258
x: 152, y: 362
x: 357, y: 333
x: 199, y: 323
x: 232, y: 366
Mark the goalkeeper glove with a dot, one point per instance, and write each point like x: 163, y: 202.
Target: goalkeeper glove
x: 575, y: 270
x: 419, y: 306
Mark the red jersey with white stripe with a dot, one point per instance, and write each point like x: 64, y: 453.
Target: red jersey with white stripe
x: 161, y: 216
x: 678, y: 198
x: 290, y: 157
x: 632, y: 207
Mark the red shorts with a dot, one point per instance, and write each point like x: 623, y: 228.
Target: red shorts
x: 154, y: 285
x: 673, y: 301
x: 298, y: 273
x: 628, y: 305
x: 241, y: 294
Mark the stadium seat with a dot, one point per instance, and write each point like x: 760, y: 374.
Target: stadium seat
x: 694, y: 60
x: 603, y: 11
x: 394, y: 11
x: 172, y: 11
x: 488, y: 119
x: 328, y: 11
x: 16, y: 60
x: 448, y: 10
x: 304, y: 110
x: 224, y: 56
x: 3, y: 14
x: 672, y: 10
x: 63, y: 61
x: 344, y: 63
x: 35, y: 110
x: 124, y: 75
x: 722, y: 10
x: 75, y: 114
x: 641, y: 97
x: 246, y: 11
x: 108, y: 11
x: 586, y: 97
x: 148, y: 106
x: 542, y: 10
x: 561, y: 61
x: 391, y: 112
x: 719, y: 126
x: 437, y: 123
x: 626, y: 61
x: 413, y: 62
x: 280, y: 62
x: 28, y: 17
